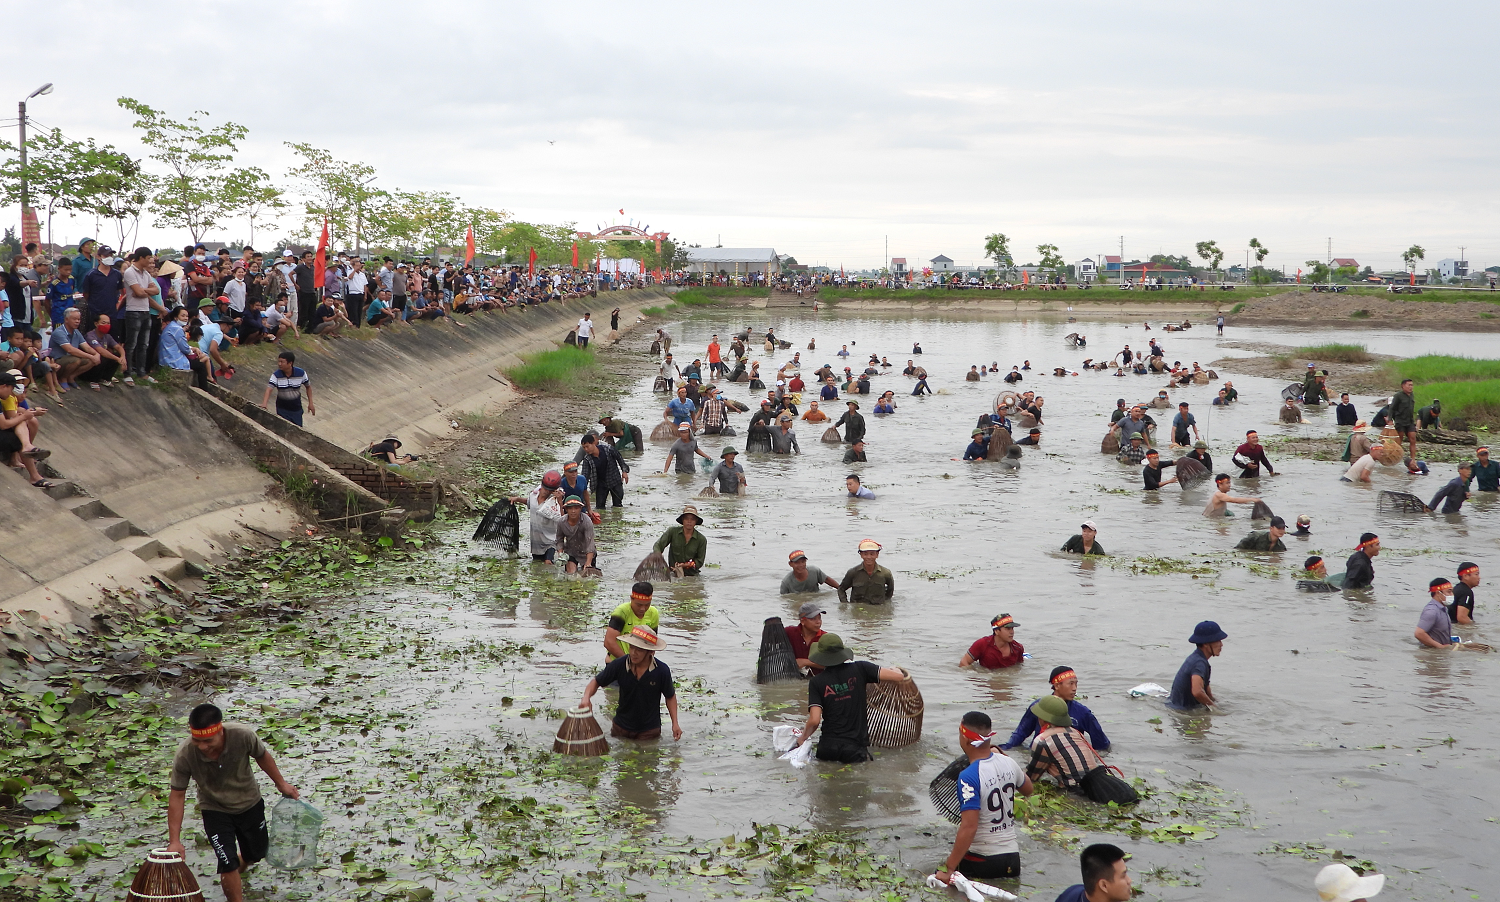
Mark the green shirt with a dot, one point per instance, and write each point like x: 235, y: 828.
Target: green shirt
x: 1260, y: 541
x: 226, y: 784
x: 622, y: 620
x: 867, y: 588
x: 682, y: 548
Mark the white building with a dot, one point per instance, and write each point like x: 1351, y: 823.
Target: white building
x: 1449, y: 267
x: 1085, y: 270
x: 733, y: 260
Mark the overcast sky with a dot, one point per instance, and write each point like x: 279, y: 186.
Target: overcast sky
x: 821, y: 129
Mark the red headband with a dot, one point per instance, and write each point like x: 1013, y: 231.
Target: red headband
x: 1445, y: 584
x: 639, y: 596
x: 1468, y: 568
x: 644, y: 635
x: 1062, y: 676
x: 207, y: 732
x: 1363, y: 544
x: 972, y: 738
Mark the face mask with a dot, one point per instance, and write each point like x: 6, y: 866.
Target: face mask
x: 108, y: 261
x: 239, y: 277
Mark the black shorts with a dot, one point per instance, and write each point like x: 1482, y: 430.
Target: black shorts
x: 10, y: 443
x: 844, y: 753
x: 237, y: 836
x: 990, y: 867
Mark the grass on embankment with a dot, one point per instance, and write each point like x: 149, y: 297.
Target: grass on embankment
x: 553, y: 370
x: 1468, y: 387
x: 703, y: 297
x: 1334, y: 353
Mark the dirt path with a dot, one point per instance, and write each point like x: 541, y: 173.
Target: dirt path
x: 1309, y: 308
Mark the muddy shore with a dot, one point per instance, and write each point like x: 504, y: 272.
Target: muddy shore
x: 1306, y: 308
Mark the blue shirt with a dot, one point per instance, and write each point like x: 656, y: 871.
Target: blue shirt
x: 1182, y: 697
x: 1083, y: 720
x: 60, y: 337
x: 102, y: 290
x: 579, y: 488
x: 174, y: 347
x: 1075, y: 892
x: 829, y: 393
x: 1452, y: 496
x: 374, y: 311
x: 60, y: 298
x: 976, y: 450
x: 682, y: 410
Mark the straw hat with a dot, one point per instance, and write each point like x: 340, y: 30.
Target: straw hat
x: 690, y: 510
x: 643, y: 637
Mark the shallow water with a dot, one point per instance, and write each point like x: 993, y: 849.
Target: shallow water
x: 1331, y: 715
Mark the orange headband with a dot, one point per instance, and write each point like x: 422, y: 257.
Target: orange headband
x: 207, y: 732
x: 1062, y: 676
x: 639, y: 596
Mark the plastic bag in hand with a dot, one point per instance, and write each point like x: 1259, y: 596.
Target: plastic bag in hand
x: 294, y: 832
x: 783, y: 738
x: 799, y: 756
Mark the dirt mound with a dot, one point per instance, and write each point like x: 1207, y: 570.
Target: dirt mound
x: 1427, y: 311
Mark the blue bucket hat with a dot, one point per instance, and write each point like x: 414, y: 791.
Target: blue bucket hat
x: 1207, y: 632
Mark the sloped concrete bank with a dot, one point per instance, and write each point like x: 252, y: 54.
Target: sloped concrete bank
x: 155, y: 482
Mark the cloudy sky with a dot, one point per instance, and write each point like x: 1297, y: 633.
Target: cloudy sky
x: 824, y: 129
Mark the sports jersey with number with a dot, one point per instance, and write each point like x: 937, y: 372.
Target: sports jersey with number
x: 989, y: 786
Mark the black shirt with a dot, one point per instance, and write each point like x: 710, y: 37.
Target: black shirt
x: 1347, y: 415
x: 1463, y: 597
x: 379, y: 450
x: 840, y: 692
x: 640, y: 699
x: 304, y: 275
x: 1153, y: 475
x: 323, y: 313
x: 1359, y: 573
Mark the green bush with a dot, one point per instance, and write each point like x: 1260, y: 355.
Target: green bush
x: 1336, y: 353
x: 552, y: 370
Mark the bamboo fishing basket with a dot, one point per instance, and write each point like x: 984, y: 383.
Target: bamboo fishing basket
x: 943, y: 790
x: 665, y: 431
x: 164, y: 877
x: 1388, y: 453
x: 1400, y: 503
x: 1110, y: 444
x: 1190, y: 472
x: 894, y: 712
x: 708, y: 492
x: 777, y: 659
x: 758, y: 438
x: 501, y: 524
x: 1261, y: 511
x: 1000, y: 443
x: 653, y: 568
x: 831, y: 436
x: 580, y: 735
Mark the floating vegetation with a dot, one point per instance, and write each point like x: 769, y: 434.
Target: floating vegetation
x: 1158, y: 566
x: 1316, y: 851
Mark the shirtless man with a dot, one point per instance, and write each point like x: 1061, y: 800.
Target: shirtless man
x: 1221, y: 498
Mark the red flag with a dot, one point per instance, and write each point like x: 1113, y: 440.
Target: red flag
x: 575, y: 255
x: 469, y: 246
x: 1299, y: 277
x: 319, y: 266
x: 531, y: 264
x: 622, y: 212
x: 1413, y: 278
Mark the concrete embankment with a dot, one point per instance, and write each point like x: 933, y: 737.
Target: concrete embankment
x: 154, y: 482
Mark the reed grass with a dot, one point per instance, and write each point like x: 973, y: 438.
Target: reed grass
x: 552, y: 370
x: 1336, y: 353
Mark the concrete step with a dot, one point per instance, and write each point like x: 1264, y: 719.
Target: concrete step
x: 143, y: 547
x: 86, y: 508
x: 115, y: 528
x: 62, y: 489
x: 171, y: 568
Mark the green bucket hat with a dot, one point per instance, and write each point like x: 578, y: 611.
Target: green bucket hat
x: 573, y: 501
x: 829, y: 650
x: 1053, y: 710
x: 728, y: 451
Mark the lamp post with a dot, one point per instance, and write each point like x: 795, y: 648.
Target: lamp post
x: 29, y: 232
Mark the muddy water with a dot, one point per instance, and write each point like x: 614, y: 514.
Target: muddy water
x: 1335, y: 728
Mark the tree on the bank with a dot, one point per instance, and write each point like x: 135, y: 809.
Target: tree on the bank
x: 1318, y: 271
x: 123, y: 195
x: 249, y: 192
x: 1050, y: 258
x: 63, y: 174
x: 332, y: 189
x: 1258, y: 274
x: 1210, y: 252
x: 191, y: 196
x: 997, y: 248
x: 1411, y: 255
x: 513, y: 241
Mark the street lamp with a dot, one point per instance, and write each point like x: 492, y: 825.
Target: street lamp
x: 25, y: 195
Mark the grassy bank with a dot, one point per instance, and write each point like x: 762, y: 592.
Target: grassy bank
x: 1071, y: 294
x: 552, y: 370
x: 703, y: 297
x: 1467, y: 387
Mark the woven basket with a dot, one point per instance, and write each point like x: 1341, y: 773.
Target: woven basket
x: 1110, y: 444
x: 501, y: 524
x: 652, y: 569
x: 1000, y: 442
x: 1388, y: 453
x: 831, y: 436
x: 895, y: 713
x: 1399, y: 503
x: 165, y: 877
x: 758, y: 438
x: 1190, y: 472
x: 665, y: 431
x: 777, y: 660
x: 1261, y: 511
x: 943, y: 790
x: 580, y: 735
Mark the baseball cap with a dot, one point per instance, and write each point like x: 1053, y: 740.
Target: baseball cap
x: 1278, y: 523
x: 795, y: 556
x: 810, y: 609
x: 1090, y: 524
x: 869, y: 545
x: 1000, y: 620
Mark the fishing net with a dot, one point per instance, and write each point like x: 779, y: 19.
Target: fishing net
x: 831, y: 435
x: 943, y: 790
x: 1293, y: 391
x: 758, y: 438
x: 653, y: 569
x: 1006, y: 402
x: 1110, y: 444
x: 1400, y: 503
x: 293, y: 833
x: 1261, y: 511
x: 1190, y: 472
x: 501, y: 524
x: 777, y: 660
x: 1000, y: 444
x: 894, y: 713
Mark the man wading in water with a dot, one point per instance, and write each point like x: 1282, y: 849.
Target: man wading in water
x: 836, y: 701
x: 644, y: 682
x: 868, y: 582
x: 217, y: 758
x: 1190, y: 688
x: 985, y: 846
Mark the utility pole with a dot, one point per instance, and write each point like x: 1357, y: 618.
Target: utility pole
x: 26, y: 232
x: 1463, y: 262
x: 1122, y: 259
x: 1330, y: 260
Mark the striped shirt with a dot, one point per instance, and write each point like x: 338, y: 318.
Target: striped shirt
x: 289, y: 388
x: 1062, y: 753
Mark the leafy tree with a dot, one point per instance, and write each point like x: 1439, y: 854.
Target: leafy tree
x: 997, y: 248
x: 250, y: 193
x: 1411, y: 255
x: 1259, y: 249
x: 71, y: 176
x: 123, y: 193
x: 191, y: 196
x: 1050, y: 258
x: 1318, y: 271
x: 1177, y: 262
x: 1210, y: 252
x: 336, y: 190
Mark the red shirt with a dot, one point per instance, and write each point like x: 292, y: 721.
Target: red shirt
x: 713, y: 353
x: 801, y: 646
x: 990, y: 656
x: 796, y: 384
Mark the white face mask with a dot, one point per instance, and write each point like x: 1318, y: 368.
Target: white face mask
x: 108, y: 261
x: 200, y: 258
x: 239, y: 277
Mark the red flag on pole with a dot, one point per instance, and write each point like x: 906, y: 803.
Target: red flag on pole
x: 1299, y: 277
x: 319, y: 266
x: 469, y: 246
x: 1413, y: 278
x: 575, y: 255
x: 531, y: 264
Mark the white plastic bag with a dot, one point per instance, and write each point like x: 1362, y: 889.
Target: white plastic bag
x: 974, y: 892
x: 783, y: 738
x: 799, y: 756
x: 1149, y: 690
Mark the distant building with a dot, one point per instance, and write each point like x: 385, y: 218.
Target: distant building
x: 1341, y: 262
x: 941, y: 263
x: 1085, y: 270
x: 1111, y: 263
x: 1450, y: 268
x: 898, y: 266
x: 733, y: 260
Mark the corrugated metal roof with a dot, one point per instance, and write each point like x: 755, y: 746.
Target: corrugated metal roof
x: 731, y: 254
